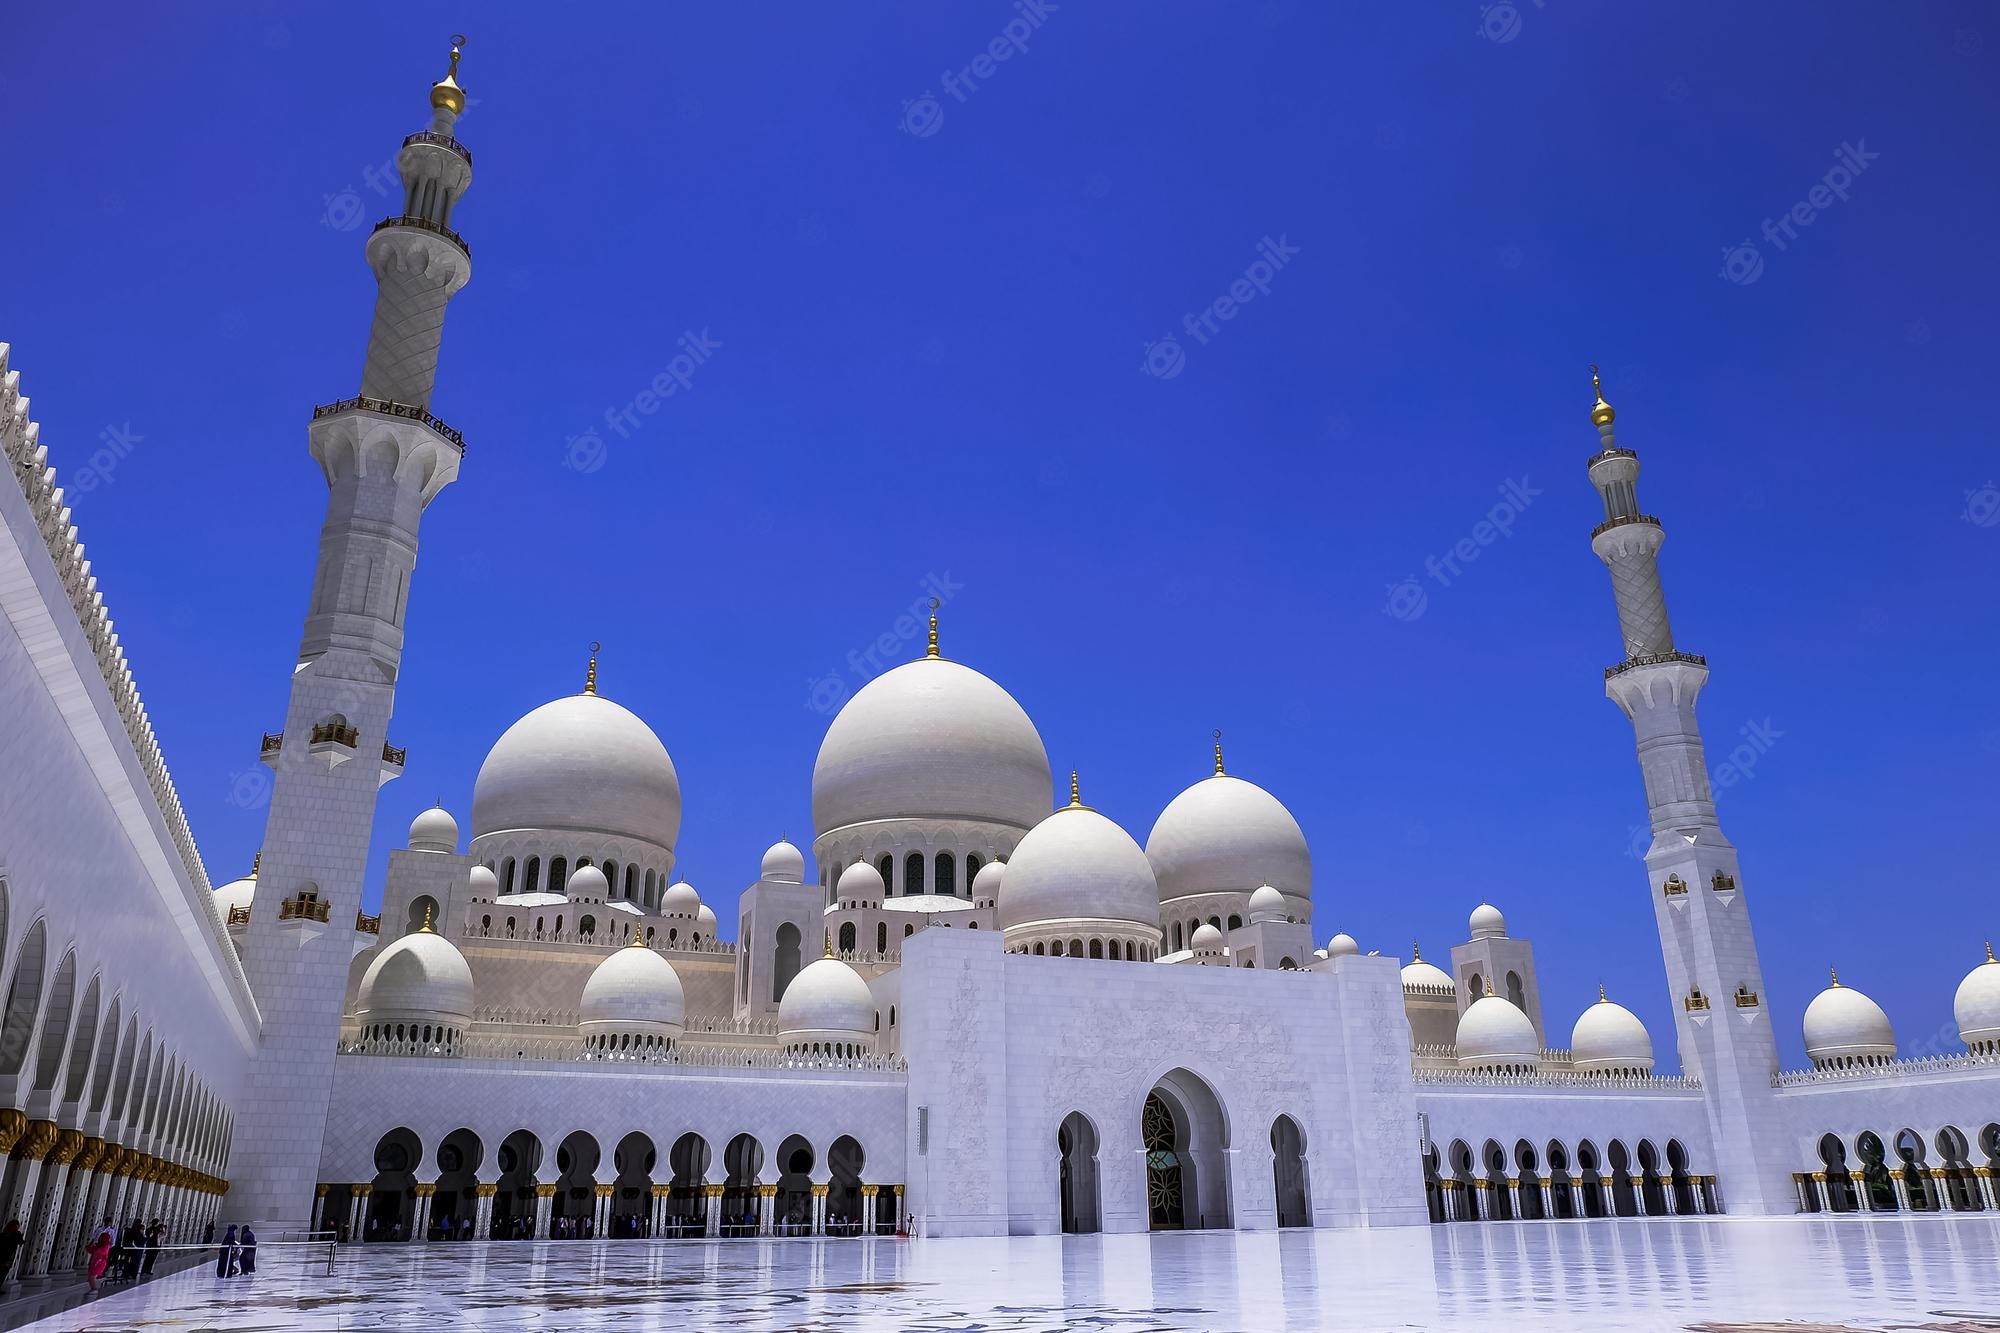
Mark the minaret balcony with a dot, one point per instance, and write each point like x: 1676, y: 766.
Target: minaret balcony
x: 425, y: 224
x: 305, y: 907
x: 334, y: 743
x: 1654, y: 659
x: 267, y: 752
x: 442, y: 141
x: 384, y: 407
x: 392, y: 763
x: 365, y: 924
x: 1622, y: 520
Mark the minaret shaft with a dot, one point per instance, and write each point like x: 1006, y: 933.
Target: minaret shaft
x: 1721, y: 1009
x: 384, y: 458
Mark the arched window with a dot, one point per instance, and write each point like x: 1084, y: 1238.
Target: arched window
x: 785, y: 960
x: 1515, y: 993
x: 909, y: 931
x: 649, y: 890
x: 847, y: 938
x: 558, y: 873
x: 486, y: 925
x: 913, y: 873
x: 882, y: 938
x: 971, y: 871
x: 1114, y: 951
x: 532, y: 883
x: 631, y: 883
x: 1177, y: 937
x: 947, y: 873
x: 507, y: 875
x: 1097, y: 948
x: 610, y: 877
x: 1236, y: 923
x: 1475, y: 987
x: 558, y: 927
x: 586, y: 927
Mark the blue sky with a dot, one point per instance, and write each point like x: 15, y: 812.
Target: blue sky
x: 931, y: 312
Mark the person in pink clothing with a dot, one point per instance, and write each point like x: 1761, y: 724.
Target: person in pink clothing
x: 100, y: 1252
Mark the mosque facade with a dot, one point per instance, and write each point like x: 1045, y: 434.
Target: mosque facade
x: 972, y: 1006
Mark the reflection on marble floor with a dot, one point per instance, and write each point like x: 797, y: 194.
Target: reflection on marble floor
x: 1715, y: 1275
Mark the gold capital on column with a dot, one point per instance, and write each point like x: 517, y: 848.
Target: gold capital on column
x: 897, y: 1188
x: 13, y: 1124
x: 35, y: 1144
x: 486, y: 1191
x: 424, y: 1189
x: 93, y: 1153
x: 545, y: 1191
x: 821, y: 1191
x: 662, y: 1191
x: 606, y: 1191
x: 364, y: 1189
x: 870, y: 1191
x: 319, y: 1191
x: 68, y: 1144
x: 767, y: 1191
x: 712, y: 1191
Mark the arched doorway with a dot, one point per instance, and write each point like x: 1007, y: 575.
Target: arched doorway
x: 392, y: 1204
x: 1915, y: 1171
x: 1434, y: 1186
x: 1961, y: 1184
x: 687, y: 1202
x: 844, y: 1161
x: 1464, y: 1198
x: 794, y: 1204
x: 1589, y: 1183
x: 519, y: 1159
x: 743, y: 1159
x: 1652, y: 1193
x: 632, y: 1196
x: 1500, y: 1199
x: 1678, y: 1179
x: 572, y: 1211
x: 1624, y: 1199
x: 1076, y: 1173
x: 1840, y: 1196
x: 1185, y: 1135
x: 1288, y: 1172
x: 1530, y: 1178
x: 784, y: 960
x: 456, y: 1202
x: 1562, y: 1195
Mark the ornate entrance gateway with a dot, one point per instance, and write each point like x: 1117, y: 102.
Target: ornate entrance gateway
x: 1164, y: 1203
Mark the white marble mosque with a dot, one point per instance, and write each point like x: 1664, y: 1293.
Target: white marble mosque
x: 973, y: 1006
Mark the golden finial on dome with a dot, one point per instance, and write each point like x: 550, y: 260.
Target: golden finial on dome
x: 1416, y: 954
x: 1489, y: 986
x: 1831, y: 972
x: 932, y: 650
x: 258, y: 860
x: 636, y: 942
x: 590, y: 675
x: 1989, y: 953
x: 829, y: 944
x: 425, y: 929
x: 1218, y: 752
x: 1602, y: 414
x: 1602, y: 998
x: 1075, y: 790
x: 446, y: 95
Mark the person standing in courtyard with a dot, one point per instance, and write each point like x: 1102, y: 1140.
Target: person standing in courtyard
x: 11, y: 1241
x: 100, y: 1253
x: 248, y: 1245
x: 225, y: 1253
x: 156, y: 1236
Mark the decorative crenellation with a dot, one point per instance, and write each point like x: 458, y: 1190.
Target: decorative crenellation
x: 1887, y: 1069
x: 570, y: 1048
x: 22, y: 439
x: 1562, y: 1079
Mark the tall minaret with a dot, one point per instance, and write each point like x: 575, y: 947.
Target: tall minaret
x: 385, y: 458
x: 1721, y: 1012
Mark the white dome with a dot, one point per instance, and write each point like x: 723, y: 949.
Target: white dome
x: 705, y: 919
x: 634, y: 990
x: 420, y: 976
x: 434, y: 831
x: 581, y: 764
x: 1609, y: 1036
x: 1205, y: 937
x: 1267, y: 904
x: 1417, y: 972
x: 930, y: 740
x: 1343, y: 946
x: 1492, y: 1033
x: 1977, y: 1004
x: 861, y: 883
x: 986, y: 884
x: 1487, y: 923
x: 586, y: 882
x: 236, y: 893
x: 782, y: 861
x: 1225, y: 835
x: 1078, y: 865
x: 1844, y: 1025
x: 827, y: 1002
x: 680, y: 900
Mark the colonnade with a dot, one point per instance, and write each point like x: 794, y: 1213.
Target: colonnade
x: 1473, y: 1201
x: 1983, y: 1194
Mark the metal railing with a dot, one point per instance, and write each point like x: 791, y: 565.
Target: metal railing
x: 1654, y: 659
x: 336, y: 733
x: 367, y: 925
x: 407, y: 411
x: 394, y: 754
x: 1603, y: 454
x: 1622, y: 520
x: 304, y: 908
x: 442, y: 141
x: 273, y: 742
x: 425, y: 224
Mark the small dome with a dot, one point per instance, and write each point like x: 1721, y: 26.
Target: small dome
x: 1493, y: 1034
x: 680, y: 900
x: 1977, y: 1005
x: 827, y: 1002
x: 986, y: 884
x: 1843, y: 1026
x: 861, y: 883
x: 1267, y: 904
x: 705, y: 919
x: 1076, y: 865
x: 1343, y: 946
x: 587, y: 882
x: 1227, y: 835
x: 784, y: 862
x: 1417, y: 972
x: 434, y: 831
x: 634, y: 990
x: 1610, y: 1037
x: 1487, y: 923
x: 1205, y: 938
x: 931, y: 739
x: 420, y: 976
x: 236, y: 893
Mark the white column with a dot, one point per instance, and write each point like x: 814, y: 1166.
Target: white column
x: 420, y: 1220
x: 714, y: 1219
x: 901, y: 1217
x: 819, y: 1210
x: 357, y: 1212
x: 482, y: 1217
x: 544, y: 1200
x: 601, y: 1213
x: 1987, y: 1195
x: 767, y: 1208
x: 82, y: 1186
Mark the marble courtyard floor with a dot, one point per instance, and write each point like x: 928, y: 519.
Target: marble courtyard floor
x: 1714, y: 1275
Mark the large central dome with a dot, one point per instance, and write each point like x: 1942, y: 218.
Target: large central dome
x: 1227, y: 835
x: 581, y: 764
x: 931, y: 740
